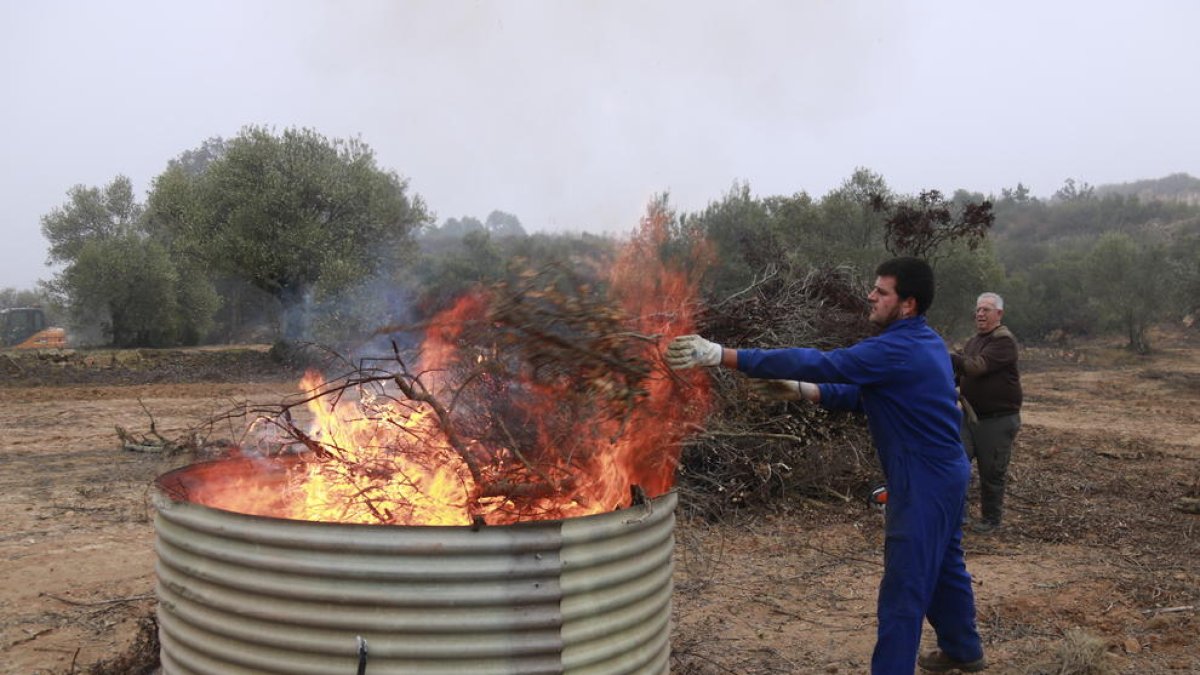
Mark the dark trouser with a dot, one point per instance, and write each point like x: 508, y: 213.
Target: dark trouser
x: 989, y: 442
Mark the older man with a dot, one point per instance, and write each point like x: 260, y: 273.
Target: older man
x: 987, y: 375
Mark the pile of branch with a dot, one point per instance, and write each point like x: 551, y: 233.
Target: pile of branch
x: 542, y: 331
x: 195, y: 440
x: 551, y: 330
x: 822, y: 308
x: 510, y: 344
x: 761, y: 454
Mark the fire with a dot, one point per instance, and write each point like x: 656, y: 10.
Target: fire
x: 426, y: 481
x: 381, y: 455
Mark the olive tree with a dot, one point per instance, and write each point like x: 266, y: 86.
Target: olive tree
x: 1129, y: 288
x: 287, y: 213
x: 114, y: 277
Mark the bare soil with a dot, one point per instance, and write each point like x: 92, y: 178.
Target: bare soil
x: 1092, y: 542
x: 1092, y: 539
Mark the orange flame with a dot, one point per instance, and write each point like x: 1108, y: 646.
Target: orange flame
x: 395, y: 464
x: 426, y: 480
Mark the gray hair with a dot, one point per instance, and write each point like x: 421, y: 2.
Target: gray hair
x: 994, y: 297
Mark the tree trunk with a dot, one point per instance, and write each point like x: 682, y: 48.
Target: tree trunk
x: 293, y: 316
x: 1137, y: 335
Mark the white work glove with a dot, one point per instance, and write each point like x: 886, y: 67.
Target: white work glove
x: 784, y: 390
x: 689, y: 351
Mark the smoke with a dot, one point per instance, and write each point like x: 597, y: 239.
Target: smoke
x: 572, y: 114
x: 365, y: 320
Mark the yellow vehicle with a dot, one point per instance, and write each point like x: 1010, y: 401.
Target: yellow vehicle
x: 25, y: 328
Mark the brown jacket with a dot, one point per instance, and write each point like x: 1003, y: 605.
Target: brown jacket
x: 987, y: 373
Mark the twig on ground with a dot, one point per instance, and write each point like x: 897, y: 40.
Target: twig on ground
x: 29, y: 638
x: 1169, y: 610
x: 818, y: 549
x: 98, y: 603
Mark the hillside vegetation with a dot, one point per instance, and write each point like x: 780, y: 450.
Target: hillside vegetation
x: 294, y: 236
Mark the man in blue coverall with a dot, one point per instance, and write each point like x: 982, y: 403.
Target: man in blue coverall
x: 902, y: 379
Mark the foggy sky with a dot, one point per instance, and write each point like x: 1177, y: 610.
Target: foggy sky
x: 571, y: 114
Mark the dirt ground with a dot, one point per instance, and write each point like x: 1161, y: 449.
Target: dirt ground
x: 1093, y: 547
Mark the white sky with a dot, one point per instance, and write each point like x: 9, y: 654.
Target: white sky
x: 571, y: 114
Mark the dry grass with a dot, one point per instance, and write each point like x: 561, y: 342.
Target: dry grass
x: 1079, y: 653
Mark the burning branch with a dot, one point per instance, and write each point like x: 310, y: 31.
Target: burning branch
x: 416, y: 391
x: 526, y: 384
x: 542, y: 396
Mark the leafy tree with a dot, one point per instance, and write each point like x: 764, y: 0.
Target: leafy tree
x: 1051, y: 298
x: 1179, y: 187
x: 844, y: 227
x: 860, y: 192
x: 23, y: 297
x: 739, y: 226
x: 1017, y: 195
x: 500, y: 225
x: 451, y: 267
x: 796, y: 225
x: 126, y: 284
x: 1072, y: 191
x: 1185, y: 260
x: 288, y: 213
x: 457, y: 228
x: 1129, y: 287
x: 196, y: 161
x: 1035, y: 252
x: 114, y: 276
x: 215, y: 303
x: 1019, y: 218
x: 197, y: 302
x: 90, y: 214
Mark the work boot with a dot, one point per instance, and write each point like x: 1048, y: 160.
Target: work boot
x: 936, y: 661
x: 985, y: 527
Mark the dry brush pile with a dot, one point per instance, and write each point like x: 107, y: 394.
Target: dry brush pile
x: 766, y: 454
x: 551, y: 328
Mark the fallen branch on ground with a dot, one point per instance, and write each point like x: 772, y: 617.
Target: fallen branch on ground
x: 98, y: 603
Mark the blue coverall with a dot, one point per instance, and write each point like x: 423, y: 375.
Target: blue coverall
x: 903, y: 381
